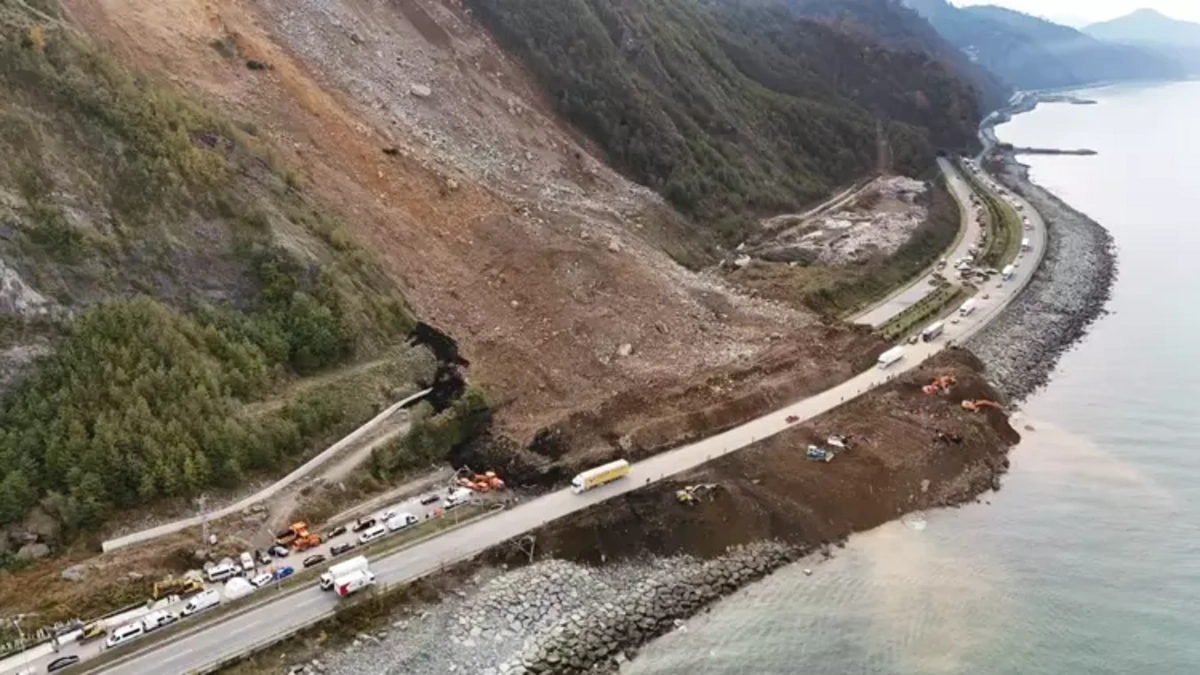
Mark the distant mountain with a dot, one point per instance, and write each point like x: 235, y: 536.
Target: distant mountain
x: 1146, y: 26
x: 1155, y: 32
x: 1032, y: 53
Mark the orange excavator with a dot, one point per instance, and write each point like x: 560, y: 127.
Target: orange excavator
x: 979, y: 404
x: 939, y: 385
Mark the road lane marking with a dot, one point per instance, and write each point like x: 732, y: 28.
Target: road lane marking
x: 176, y: 654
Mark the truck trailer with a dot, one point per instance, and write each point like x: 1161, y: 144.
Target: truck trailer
x: 891, y: 356
x: 356, y: 564
x: 932, y: 331
x: 353, y: 582
x: 605, y: 473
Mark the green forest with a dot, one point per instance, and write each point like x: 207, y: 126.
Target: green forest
x: 736, y: 109
x: 192, y: 276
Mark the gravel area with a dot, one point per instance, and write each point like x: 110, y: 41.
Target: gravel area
x: 1067, y: 294
x: 552, y: 617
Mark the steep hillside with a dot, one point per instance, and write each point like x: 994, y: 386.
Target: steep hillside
x: 1031, y: 53
x: 733, y: 109
x: 900, y: 28
x: 161, y: 271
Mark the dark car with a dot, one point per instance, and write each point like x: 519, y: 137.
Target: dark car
x: 62, y: 662
x: 341, y: 548
x: 262, y: 557
x: 364, y: 524
x: 280, y: 551
x: 429, y: 499
x: 340, y: 529
x: 314, y: 560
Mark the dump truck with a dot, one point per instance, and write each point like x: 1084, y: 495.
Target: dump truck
x: 298, y: 537
x: 342, y: 569
x: 605, y: 473
x: 353, y: 582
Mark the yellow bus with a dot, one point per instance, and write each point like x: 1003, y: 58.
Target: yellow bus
x: 600, y: 475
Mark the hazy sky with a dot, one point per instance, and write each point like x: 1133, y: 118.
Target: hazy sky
x: 1094, y: 10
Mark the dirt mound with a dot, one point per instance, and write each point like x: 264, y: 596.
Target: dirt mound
x: 895, y: 464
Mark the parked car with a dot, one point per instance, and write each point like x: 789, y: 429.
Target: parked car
x: 342, y: 548
x: 314, y: 560
x: 247, y: 561
x: 339, y: 530
x: 430, y: 499
x: 385, y: 516
x: 91, y: 631
x: 279, y: 551
x: 262, y: 557
x: 364, y: 524
x: 62, y: 662
x: 284, y: 572
x: 261, y: 580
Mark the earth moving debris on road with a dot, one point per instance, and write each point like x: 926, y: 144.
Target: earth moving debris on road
x: 768, y: 503
x: 1067, y: 293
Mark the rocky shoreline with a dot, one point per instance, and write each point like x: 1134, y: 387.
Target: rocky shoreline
x: 554, y: 616
x: 1067, y: 294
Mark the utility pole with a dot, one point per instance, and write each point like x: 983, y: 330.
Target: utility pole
x: 16, y: 622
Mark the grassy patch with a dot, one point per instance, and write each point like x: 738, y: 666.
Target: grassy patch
x: 1003, y: 225
x: 924, y: 311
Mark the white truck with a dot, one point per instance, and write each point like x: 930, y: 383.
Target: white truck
x: 1008, y: 272
x: 967, y: 307
x: 356, y: 564
x: 932, y: 331
x: 353, y: 582
x: 1025, y: 244
x: 891, y: 356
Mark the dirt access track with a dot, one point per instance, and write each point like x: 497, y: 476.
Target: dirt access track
x: 558, y: 277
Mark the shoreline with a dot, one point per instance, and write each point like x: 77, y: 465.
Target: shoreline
x: 1071, y: 288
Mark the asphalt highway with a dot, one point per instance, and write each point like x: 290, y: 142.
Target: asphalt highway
x: 202, y: 647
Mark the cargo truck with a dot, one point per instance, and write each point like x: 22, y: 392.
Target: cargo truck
x: 1008, y: 272
x: 967, y: 308
x: 357, y: 564
x: 353, y: 582
x: 606, y: 473
x: 891, y: 356
x: 932, y: 331
x: 1025, y: 245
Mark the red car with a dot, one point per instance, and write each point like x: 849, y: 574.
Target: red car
x: 792, y: 419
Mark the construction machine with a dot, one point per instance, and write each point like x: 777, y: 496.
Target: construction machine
x: 298, y: 538
x: 482, y: 482
x: 181, y: 586
x: 978, y: 404
x: 939, y: 385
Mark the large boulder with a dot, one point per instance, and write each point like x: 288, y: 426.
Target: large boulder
x: 42, y: 524
x: 33, y: 552
x: 74, y: 573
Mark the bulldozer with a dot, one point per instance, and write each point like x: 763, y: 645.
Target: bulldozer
x: 939, y: 385
x: 980, y: 403
x: 180, y: 586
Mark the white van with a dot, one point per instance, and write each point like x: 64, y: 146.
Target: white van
x: 202, y: 601
x: 459, y: 497
x: 124, y: 634
x: 401, y: 521
x: 157, y: 619
x: 372, y: 533
x: 222, y: 571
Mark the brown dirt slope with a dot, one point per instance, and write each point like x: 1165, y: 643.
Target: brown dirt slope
x: 771, y: 490
x: 498, y: 223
